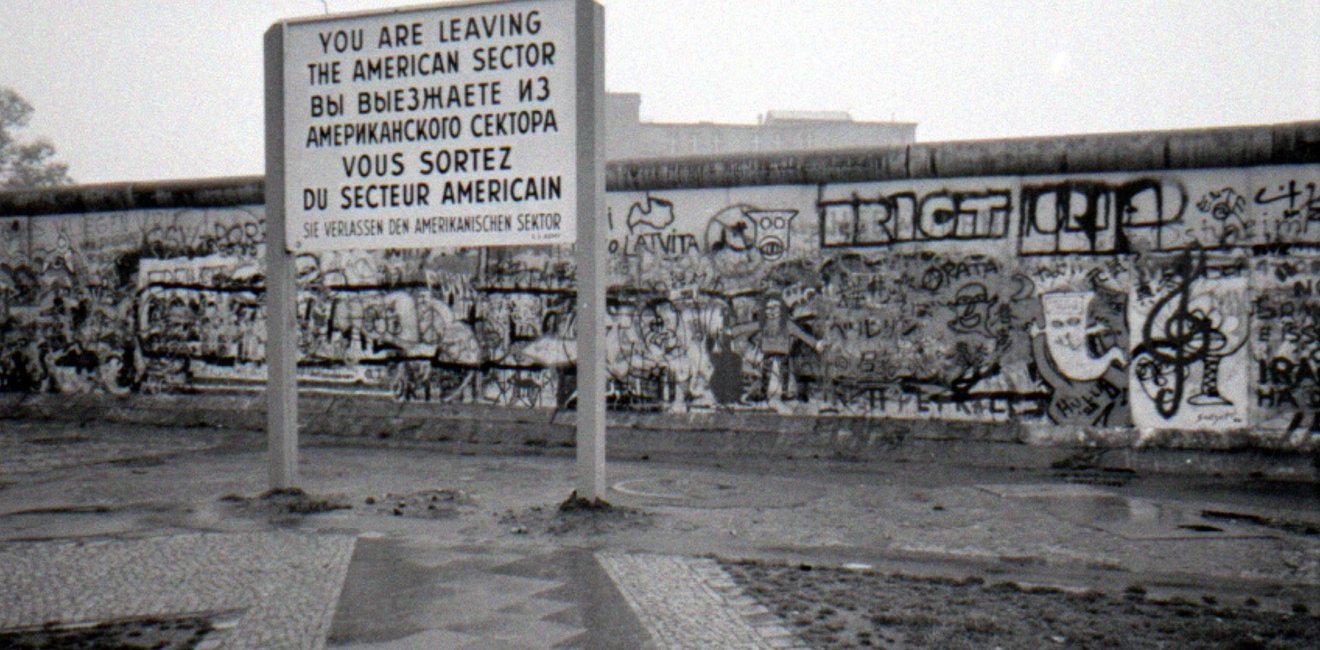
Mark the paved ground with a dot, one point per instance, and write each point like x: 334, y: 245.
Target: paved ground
x: 280, y: 587
x: 405, y: 547
x: 692, y: 603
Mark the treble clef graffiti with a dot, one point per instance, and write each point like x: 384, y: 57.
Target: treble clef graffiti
x: 1183, y: 330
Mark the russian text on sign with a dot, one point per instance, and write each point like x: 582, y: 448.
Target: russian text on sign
x: 419, y: 118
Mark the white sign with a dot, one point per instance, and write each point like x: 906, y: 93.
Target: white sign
x: 443, y: 126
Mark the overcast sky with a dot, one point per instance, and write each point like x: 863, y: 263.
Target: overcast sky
x: 155, y: 89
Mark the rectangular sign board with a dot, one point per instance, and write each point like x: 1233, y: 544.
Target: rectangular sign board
x: 451, y: 125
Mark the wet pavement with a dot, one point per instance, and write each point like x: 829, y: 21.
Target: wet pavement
x: 408, y: 547
x: 409, y: 593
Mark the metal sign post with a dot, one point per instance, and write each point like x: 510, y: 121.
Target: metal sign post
x: 457, y: 125
x: 281, y: 287
x: 592, y: 280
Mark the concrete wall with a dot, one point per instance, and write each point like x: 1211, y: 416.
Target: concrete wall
x: 1139, y: 289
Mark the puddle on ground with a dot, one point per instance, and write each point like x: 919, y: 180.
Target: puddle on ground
x: 115, y: 521
x: 1127, y: 517
x: 728, y: 491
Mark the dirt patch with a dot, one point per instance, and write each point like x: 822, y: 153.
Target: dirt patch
x: 575, y: 516
x: 64, y: 510
x: 575, y: 503
x: 180, y: 633
x: 424, y: 504
x: 841, y: 608
x: 290, y: 501
x: 1086, y: 467
x: 139, y: 461
x: 1099, y: 476
x: 58, y: 440
x: 1297, y: 527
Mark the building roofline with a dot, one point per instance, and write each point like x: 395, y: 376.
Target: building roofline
x: 1237, y: 146
x: 774, y: 124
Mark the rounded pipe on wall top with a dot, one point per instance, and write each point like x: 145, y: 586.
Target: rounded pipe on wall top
x: 1241, y: 146
x: 135, y: 195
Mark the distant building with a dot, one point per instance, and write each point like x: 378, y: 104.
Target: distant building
x: 627, y: 136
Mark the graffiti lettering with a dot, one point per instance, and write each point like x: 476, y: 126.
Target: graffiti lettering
x: 1295, y: 203
x: 906, y: 217
x: 1095, y: 217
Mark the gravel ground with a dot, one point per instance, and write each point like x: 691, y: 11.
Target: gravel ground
x: 843, y: 608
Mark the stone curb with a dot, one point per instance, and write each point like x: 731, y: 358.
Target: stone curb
x: 741, y: 434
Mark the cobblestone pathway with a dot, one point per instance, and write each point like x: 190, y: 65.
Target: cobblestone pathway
x: 692, y: 603
x: 283, y: 586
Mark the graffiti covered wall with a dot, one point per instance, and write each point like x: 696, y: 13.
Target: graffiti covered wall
x: 1174, y: 300
x: 1169, y: 300
x: 170, y: 301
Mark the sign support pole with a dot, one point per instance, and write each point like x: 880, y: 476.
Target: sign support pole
x: 592, y: 271
x: 281, y: 286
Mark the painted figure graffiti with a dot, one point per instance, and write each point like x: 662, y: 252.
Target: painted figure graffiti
x: 775, y: 333
x: 1067, y: 332
x: 1084, y: 378
x: 698, y: 325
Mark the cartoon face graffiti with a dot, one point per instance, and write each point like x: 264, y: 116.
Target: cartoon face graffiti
x: 740, y: 237
x: 972, y: 307
x: 772, y: 231
x: 1065, y: 316
x: 731, y: 241
x: 1067, y: 329
x: 731, y: 230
